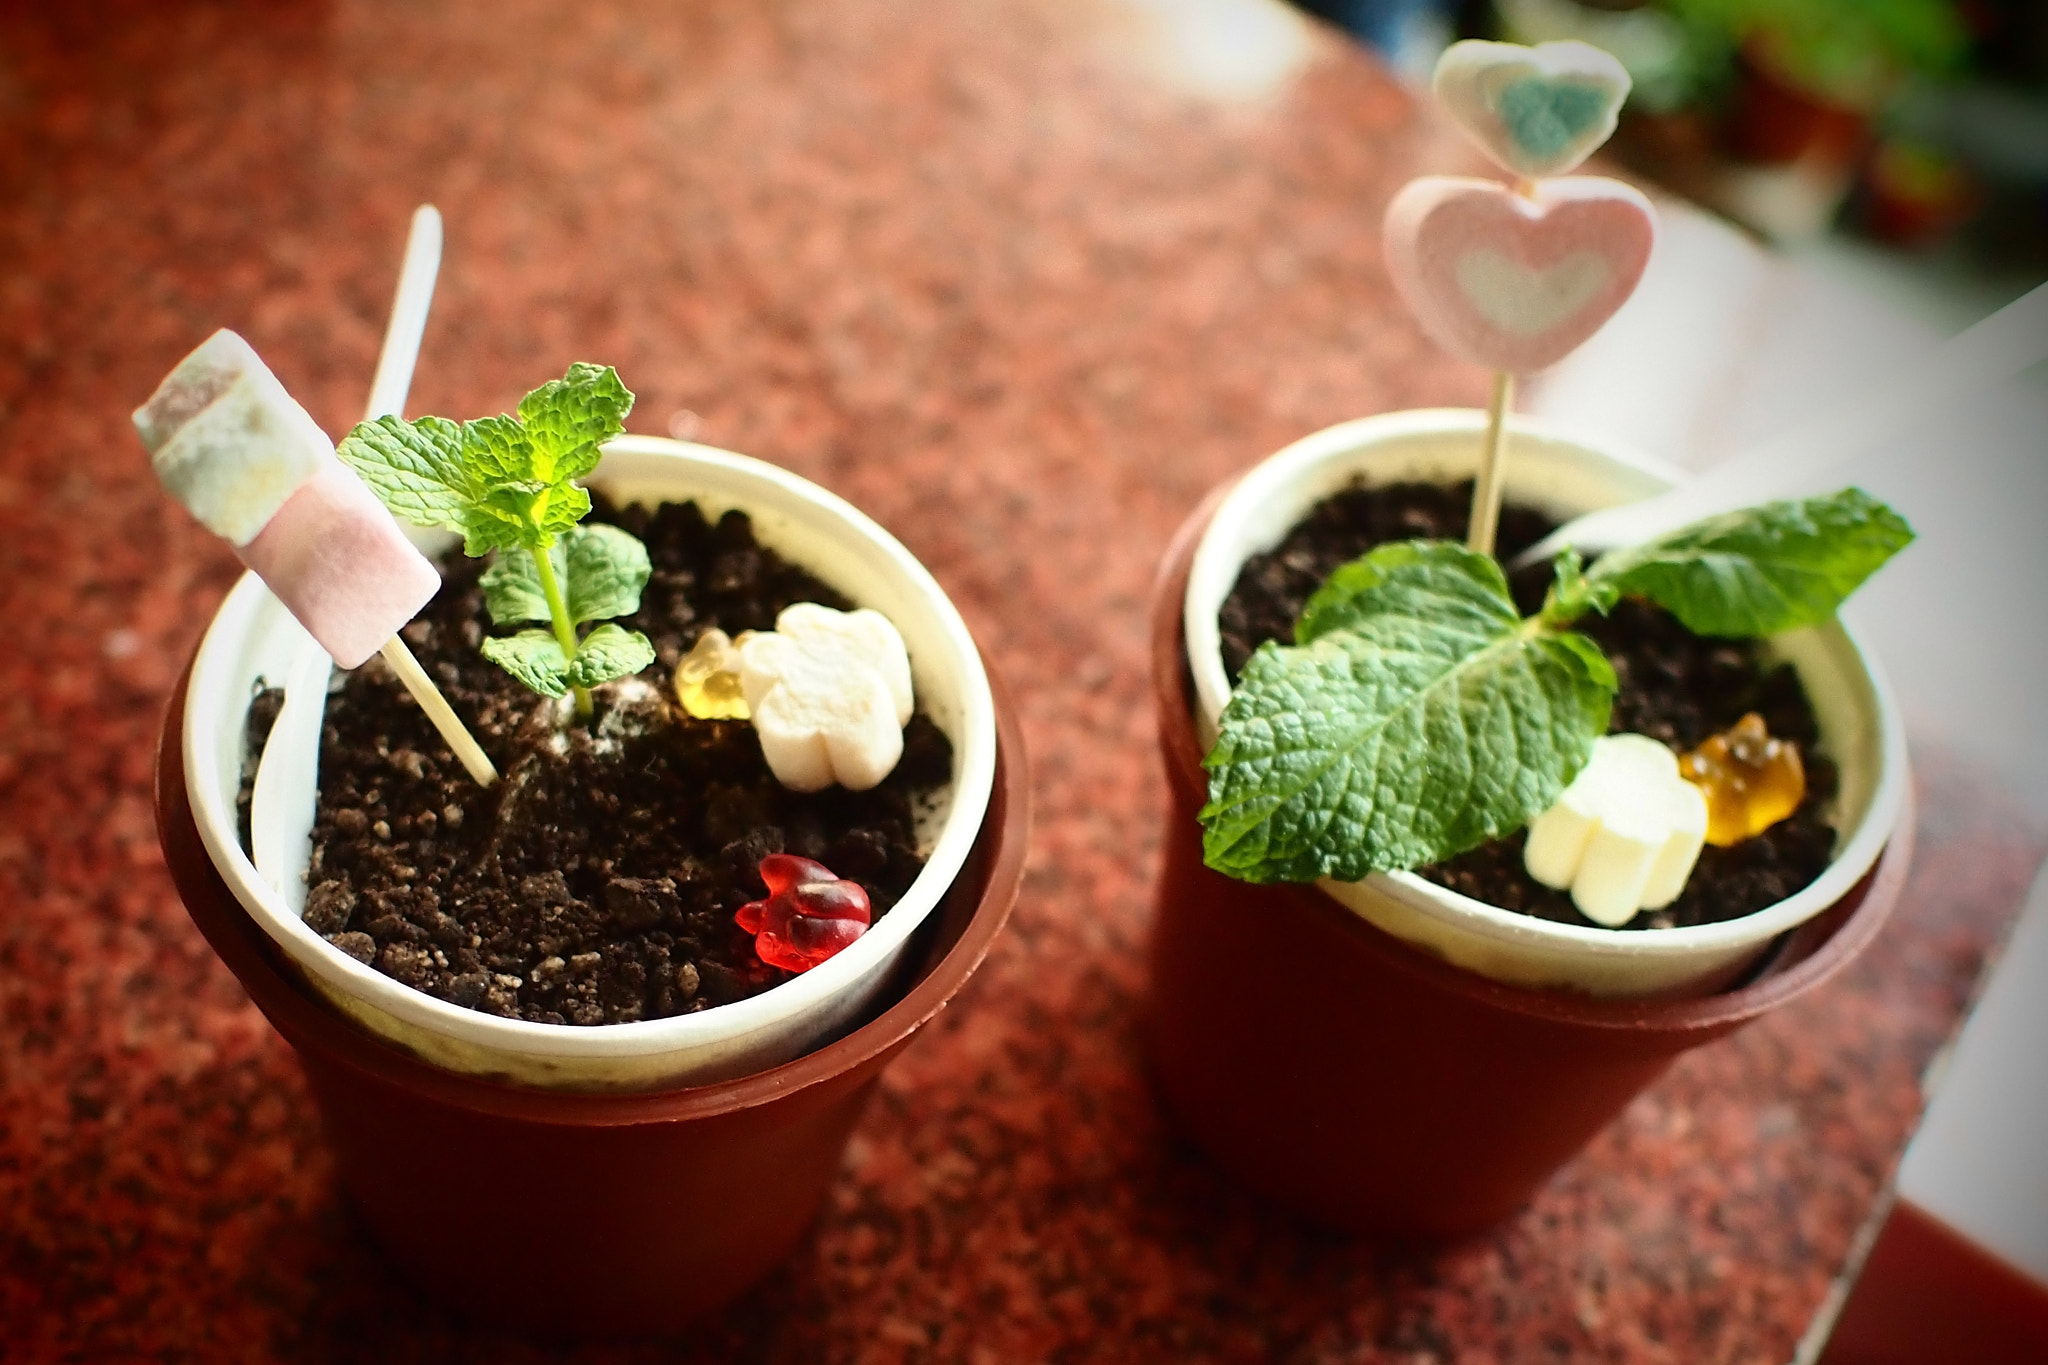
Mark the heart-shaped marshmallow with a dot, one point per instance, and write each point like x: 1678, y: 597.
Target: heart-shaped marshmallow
x: 1536, y: 110
x: 829, y: 693
x: 1511, y: 282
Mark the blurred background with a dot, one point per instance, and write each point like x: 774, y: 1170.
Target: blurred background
x: 1069, y: 263
x: 1918, y: 125
x: 1849, y: 181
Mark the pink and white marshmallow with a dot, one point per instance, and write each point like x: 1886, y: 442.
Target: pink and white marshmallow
x: 1515, y: 282
x: 245, y: 459
x: 829, y: 694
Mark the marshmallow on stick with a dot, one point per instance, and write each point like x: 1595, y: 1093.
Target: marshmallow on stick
x: 1536, y: 111
x: 1514, y: 278
x: 245, y: 459
x: 1516, y: 281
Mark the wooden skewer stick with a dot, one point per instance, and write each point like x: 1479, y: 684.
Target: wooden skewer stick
x: 439, y: 711
x: 1486, y: 489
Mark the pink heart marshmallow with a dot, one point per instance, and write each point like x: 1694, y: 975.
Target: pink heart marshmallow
x: 1515, y: 282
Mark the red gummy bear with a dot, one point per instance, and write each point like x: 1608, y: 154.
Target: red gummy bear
x: 809, y: 915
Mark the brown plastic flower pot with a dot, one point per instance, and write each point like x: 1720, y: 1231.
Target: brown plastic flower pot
x: 666, y: 1204
x: 1774, y: 121
x: 1370, y: 1087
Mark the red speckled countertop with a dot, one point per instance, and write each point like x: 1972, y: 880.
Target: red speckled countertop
x: 1020, y: 277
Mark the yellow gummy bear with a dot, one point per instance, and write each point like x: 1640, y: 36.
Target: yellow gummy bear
x: 1750, y: 780
x: 707, y: 679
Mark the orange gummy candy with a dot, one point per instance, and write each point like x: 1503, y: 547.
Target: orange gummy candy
x: 1750, y: 780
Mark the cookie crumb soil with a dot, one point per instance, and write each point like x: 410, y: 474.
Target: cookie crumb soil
x: 596, y: 882
x: 1674, y: 686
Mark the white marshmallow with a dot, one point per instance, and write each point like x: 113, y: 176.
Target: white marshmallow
x: 1624, y: 835
x: 227, y: 440
x: 829, y: 692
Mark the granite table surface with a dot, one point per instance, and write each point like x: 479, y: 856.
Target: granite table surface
x: 1022, y: 278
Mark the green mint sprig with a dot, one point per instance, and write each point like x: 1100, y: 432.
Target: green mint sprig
x: 1418, y: 714
x: 507, y: 483
x: 1758, y: 572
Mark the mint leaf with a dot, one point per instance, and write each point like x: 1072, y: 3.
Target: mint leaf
x: 570, y: 417
x: 509, y: 498
x: 424, y: 473
x: 508, y: 484
x: 535, y: 658
x: 1763, y: 570
x: 511, y: 586
x: 414, y: 468
x: 1416, y: 575
x: 532, y: 656
x: 606, y: 653
x: 601, y: 570
x: 500, y: 454
x: 559, y: 509
x: 1419, y: 717
x: 607, y: 570
x: 489, y: 527
x: 1571, y: 595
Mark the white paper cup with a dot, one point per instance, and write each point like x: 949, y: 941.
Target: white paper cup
x: 253, y: 637
x: 1860, y: 728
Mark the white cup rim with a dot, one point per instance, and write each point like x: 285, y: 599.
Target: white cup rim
x: 1214, y: 569
x: 336, y: 973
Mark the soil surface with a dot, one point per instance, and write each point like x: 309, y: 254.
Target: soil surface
x: 596, y: 882
x: 1674, y: 686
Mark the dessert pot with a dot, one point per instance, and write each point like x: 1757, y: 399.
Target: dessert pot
x: 1391, y: 1058
x: 668, y: 1202
x: 253, y: 638
x: 1860, y: 725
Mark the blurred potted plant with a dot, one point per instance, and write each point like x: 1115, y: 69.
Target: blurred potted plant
x: 1347, y: 1014
x: 1807, y: 75
x: 1914, y: 195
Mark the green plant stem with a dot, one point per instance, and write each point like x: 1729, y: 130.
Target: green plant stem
x: 565, y: 630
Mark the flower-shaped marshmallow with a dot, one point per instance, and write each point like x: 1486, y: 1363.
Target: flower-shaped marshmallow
x: 829, y: 693
x: 1624, y: 835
